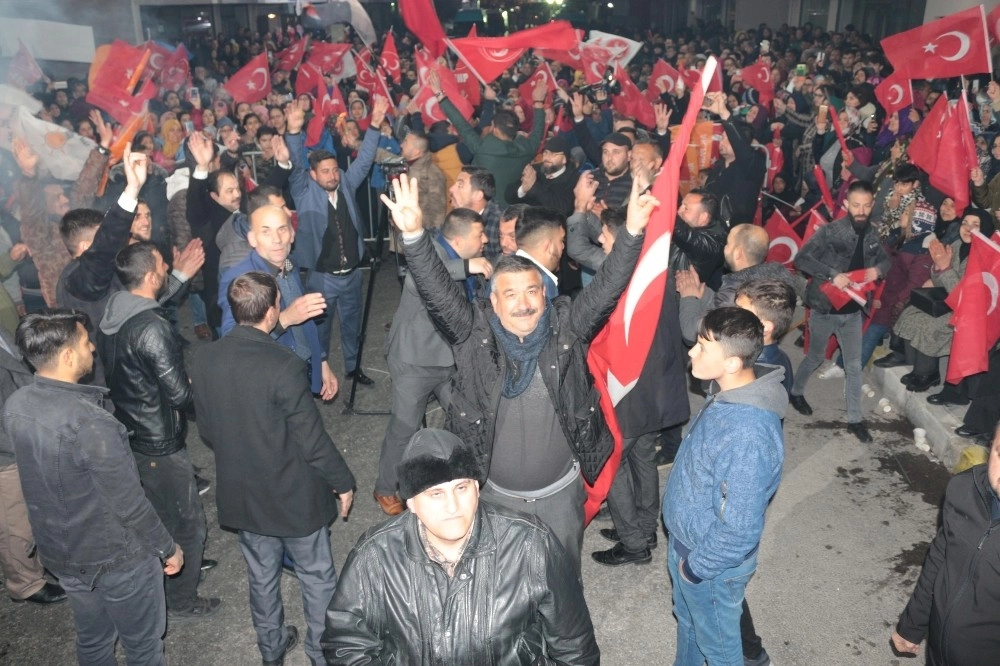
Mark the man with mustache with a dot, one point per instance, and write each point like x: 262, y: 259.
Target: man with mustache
x: 521, y: 396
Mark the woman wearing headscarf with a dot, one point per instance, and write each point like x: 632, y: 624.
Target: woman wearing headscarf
x: 986, y: 183
x: 926, y: 338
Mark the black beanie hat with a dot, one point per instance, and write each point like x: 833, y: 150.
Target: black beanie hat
x: 431, y: 457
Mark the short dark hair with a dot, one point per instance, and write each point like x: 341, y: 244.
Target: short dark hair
x: 457, y: 222
x: 512, y: 263
x: 614, y: 219
x: 266, y: 130
x: 538, y: 220
x: 134, y: 262
x: 78, y: 223
x: 259, y: 197
x: 317, y: 156
x: 513, y: 212
x: 41, y: 335
x: 861, y: 186
x: 214, y: 182
x: 481, y: 180
x: 906, y: 173
x: 774, y: 301
x: 506, y: 122
x: 250, y: 296
x: 738, y: 331
x: 709, y: 202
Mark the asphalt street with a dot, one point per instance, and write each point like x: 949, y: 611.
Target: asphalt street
x: 844, y: 540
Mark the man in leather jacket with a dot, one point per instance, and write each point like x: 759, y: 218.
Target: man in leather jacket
x: 150, y: 389
x: 425, y: 588
x: 522, y: 396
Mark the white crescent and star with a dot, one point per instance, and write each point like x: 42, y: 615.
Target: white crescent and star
x: 767, y: 74
x: 156, y: 61
x: 496, y: 55
x: 668, y: 82
x: 251, y: 84
x: 963, y: 45
x: 787, y: 242
x: 991, y: 283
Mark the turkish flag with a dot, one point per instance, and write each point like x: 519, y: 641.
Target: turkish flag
x: 662, y: 75
x: 291, y: 57
x: 176, y: 70
x: 328, y: 105
x: 388, y: 59
x: 975, y: 316
x: 993, y: 24
x: 252, y: 83
x: 622, y: 49
x: 619, y: 351
x: 119, y: 105
x: 815, y: 222
x: 326, y: 56
x: 857, y: 291
x: 785, y: 243
x: 758, y: 77
x: 159, y: 54
x: 23, y: 70
x: 365, y: 55
x: 544, y: 75
x: 938, y: 148
x: 450, y: 86
x: 366, y: 79
x: 422, y: 20
x: 381, y: 88
x: 894, y: 93
x: 595, y: 61
x: 118, y: 68
x: 568, y: 57
x: 486, y: 63
x: 950, y: 46
x: 309, y: 79
x: 631, y: 102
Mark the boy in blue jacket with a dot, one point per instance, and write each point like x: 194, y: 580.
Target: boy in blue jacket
x: 726, y: 471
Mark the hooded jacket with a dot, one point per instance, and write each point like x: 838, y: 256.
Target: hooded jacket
x: 956, y: 603
x: 726, y: 472
x: 145, y: 372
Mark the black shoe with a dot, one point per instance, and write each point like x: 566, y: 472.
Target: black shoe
x: 907, y: 378
x: 203, y: 484
x: 947, y: 398
x: 363, y: 379
x: 200, y: 609
x: 762, y: 659
x: 967, y: 432
x: 290, y: 643
x: 893, y: 360
x: 207, y: 564
x: 51, y: 593
x: 860, y: 431
x: 800, y: 404
x: 611, y: 534
x: 663, y: 458
x: 920, y: 383
x: 618, y: 555
x: 800, y: 342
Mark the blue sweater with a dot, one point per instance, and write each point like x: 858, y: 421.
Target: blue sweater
x: 726, y: 471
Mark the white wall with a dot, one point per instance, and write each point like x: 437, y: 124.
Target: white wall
x: 47, y: 40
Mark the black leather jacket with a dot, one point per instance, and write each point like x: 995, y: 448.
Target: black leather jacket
x: 145, y: 372
x: 480, y: 364
x: 513, y: 598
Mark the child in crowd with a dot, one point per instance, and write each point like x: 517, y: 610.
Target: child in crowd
x: 773, y: 301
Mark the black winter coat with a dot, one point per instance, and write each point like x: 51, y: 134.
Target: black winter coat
x: 480, y: 362
x: 956, y: 603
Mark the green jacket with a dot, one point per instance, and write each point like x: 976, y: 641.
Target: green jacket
x: 8, y: 311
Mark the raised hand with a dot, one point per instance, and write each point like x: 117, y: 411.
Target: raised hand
x: 662, y: 114
x: 379, y: 108
x: 302, y: 309
x: 200, y: 147
x: 434, y: 81
x: 295, y: 117
x: 280, y: 148
x: 528, y: 177
x: 583, y: 192
x: 190, y: 260
x: 406, y: 213
x: 640, y: 209
x: 25, y: 156
x: 539, y: 91
x: 136, y: 170
x: 103, y: 129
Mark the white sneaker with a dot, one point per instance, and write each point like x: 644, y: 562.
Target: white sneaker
x: 833, y: 371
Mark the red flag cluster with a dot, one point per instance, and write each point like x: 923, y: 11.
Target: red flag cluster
x: 252, y: 82
x: 940, y: 147
x: 975, y: 315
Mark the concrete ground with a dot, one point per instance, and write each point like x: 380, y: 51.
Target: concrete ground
x: 842, y: 548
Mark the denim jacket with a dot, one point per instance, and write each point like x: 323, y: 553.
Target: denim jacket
x: 726, y: 471
x: 87, y: 510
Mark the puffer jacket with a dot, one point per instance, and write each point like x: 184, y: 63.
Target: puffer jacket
x: 829, y: 252
x: 388, y: 609
x: 956, y: 600
x: 145, y: 372
x: 480, y: 361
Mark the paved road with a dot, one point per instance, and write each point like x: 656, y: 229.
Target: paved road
x: 844, y: 540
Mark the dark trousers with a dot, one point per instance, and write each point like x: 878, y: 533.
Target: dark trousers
x: 170, y: 487
x: 313, y: 561
x: 412, y: 387
x: 343, y: 296
x: 634, y: 497
x: 22, y: 572
x: 752, y: 645
x: 126, y: 604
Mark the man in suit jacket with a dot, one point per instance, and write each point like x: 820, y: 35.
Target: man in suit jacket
x: 420, y: 361
x: 23, y: 574
x: 549, y: 183
x: 278, y: 472
x: 331, y: 235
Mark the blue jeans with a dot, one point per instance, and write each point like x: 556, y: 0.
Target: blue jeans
x: 124, y: 604
x: 708, y: 614
x: 343, y: 296
x: 313, y: 562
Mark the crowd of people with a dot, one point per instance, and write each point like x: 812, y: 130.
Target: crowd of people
x: 516, y: 230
